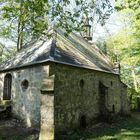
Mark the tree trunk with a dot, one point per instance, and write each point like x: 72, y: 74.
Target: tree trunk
x: 20, y: 28
x: 134, y: 79
x: 20, y: 35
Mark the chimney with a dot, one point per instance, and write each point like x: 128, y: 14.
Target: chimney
x: 87, y: 30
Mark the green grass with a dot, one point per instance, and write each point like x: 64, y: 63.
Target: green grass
x: 124, y: 129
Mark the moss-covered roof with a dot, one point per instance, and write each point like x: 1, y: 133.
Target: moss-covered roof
x: 71, y: 50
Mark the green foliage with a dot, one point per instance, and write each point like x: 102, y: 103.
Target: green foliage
x: 126, y: 45
x: 130, y: 9
x: 5, y: 53
x: 30, y: 14
x: 121, y: 44
x: 101, y: 44
x: 28, y: 19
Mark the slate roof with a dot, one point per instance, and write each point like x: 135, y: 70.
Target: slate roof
x: 71, y: 50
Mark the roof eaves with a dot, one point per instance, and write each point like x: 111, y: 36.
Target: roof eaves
x: 52, y: 60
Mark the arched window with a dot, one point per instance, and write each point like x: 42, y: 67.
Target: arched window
x: 7, y: 87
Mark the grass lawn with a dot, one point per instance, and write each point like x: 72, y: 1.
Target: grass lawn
x: 123, y: 129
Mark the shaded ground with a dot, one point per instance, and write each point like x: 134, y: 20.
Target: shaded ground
x: 123, y: 129
x: 13, y: 130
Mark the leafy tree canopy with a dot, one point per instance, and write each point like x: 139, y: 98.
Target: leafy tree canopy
x: 23, y: 20
x: 126, y: 45
x: 130, y: 9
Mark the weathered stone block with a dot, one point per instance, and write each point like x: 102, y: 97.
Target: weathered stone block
x: 47, y: 133
x: 48, y: 83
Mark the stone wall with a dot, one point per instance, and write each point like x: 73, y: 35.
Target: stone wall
x: 1, y: 85
x: 69, y: 96
x: 125, y: 103
x: 76, y: 93
x: 26, y: 96
x: 47, y: 108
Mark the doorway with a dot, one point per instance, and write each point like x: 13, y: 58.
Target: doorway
x: 103, y: 90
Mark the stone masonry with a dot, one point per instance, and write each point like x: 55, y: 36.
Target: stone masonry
x: 59, y: 96
x: 76, y: 94
x: 26, y: 104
